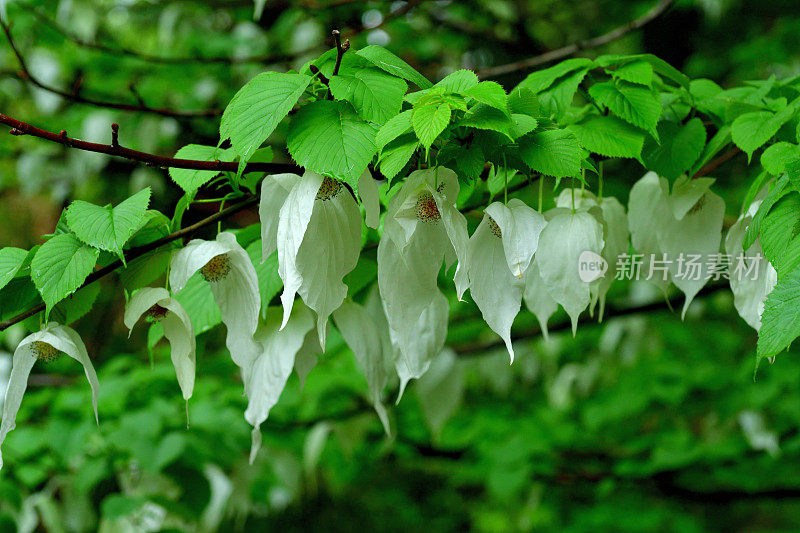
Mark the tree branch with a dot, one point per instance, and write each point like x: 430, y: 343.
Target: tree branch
x: 566, y: 51
x: 23, y: 128
x: 139, y: 251
x: 76, y: 97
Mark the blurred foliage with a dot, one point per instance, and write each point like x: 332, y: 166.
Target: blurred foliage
x: 645, y: 423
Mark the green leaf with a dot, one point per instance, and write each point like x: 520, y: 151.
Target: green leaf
x: 488, y: 118
x: 198, y: 300
x: 75, y: 306
x: 11, y: 260
x: 523, y: 124
x: 429, y: 121
x: 490, y: 93
x: 659, y: 65
x: 397, y: 154
x: 394, y: 127
x: 145, y: 269
x: 105, y: 227
x: 330, y: 139
x: 375, y: 95
x: 554, y: 152
x: 191, y: 180
x: 639, y: 72
x: 680, y: 147
x: 458, y: 82
x: 780, y: 322
x: 557, y: 100
x: 524, y: 101
x: 777, y: 190
x: 269, y: 282
x: 775, y: 158
x: 719, y: 141
x: 751, y: 131
x: 634, y: 104
x: 540, y: 80
x: 609, y: 136
x: 60, y: 267
x: 778, y: 233
x: 387, y: 61
x: 255, y: 111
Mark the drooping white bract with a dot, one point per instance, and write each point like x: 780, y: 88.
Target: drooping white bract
x: 234, y: 284
x: 370, y: 199
x: 615, y: 243
x: 361, y: 333
x: 751, y: 276
x: 648, y: 212
x: 47, y: 344
x: 578, y: 199
x: 278, y: 345
x: 537, y: 298
x: 567, y: 236
x: 156, y: 303
x: 500, y: 252
x: 315, y: 224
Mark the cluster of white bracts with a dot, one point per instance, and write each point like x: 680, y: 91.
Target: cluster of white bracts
x: 515, y: 254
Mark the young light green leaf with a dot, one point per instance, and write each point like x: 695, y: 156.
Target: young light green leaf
x: 719, y: 141
x: 780, y: 322
x: 490, y: 93
x: 105, y: 227
x: 375, y: 95
x: 60, y: 267
x: 541, y: 80
x: 524, y: 101
x: 394, y: 127
x: 639, y: 72
x: 634, y: 104
x: 396, y: 154
x: 387, y: 61
x: 751, y: 131
x: 190, y: 180
x: 554, y: 152
x: 775, y: 158
x: 485, y: 117
x: 609, y: 136
x: 429, y: 121
x: 680, y: 147
x: 330, y: 139
x: 255, y: 111
x: 11, y: 260
x: 458, y: 82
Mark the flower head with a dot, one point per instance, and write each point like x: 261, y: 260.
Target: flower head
x: 157, y: 305
x: 47, y: 344
x: 234, y: 284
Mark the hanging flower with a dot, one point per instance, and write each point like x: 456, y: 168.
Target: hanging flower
x: 751, y: 276
x: 500, y: 252
x: 157, y: 305
x: 46, y: 345
x: 315, y: 225
x: 278, y: 346
x: 537, y: 298
x: 234, y: 284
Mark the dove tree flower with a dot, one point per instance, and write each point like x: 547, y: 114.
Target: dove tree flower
x: 500, y: 252
x: 751, y: 276
x: 422, y: 228
x: 46, y: 345
x: 278, y: 345
x: 234, y: 284
x: 315, y: 225
x: 157, y: 305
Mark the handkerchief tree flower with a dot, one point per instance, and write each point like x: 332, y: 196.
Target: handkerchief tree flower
x: 45, y: 345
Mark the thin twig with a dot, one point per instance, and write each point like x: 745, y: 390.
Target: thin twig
x: 566, y: 51
x: 714, y: 164
x: 74, y: 96
x: 23, y: 128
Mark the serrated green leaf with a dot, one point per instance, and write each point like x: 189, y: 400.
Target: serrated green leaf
x: 490, y: 93
x: 639, y: 72
x: 269, y: 282
x: 255, y: 111
x: 198, y: 301
x: 751, y: 131
x: 375, y: 95
x: 488, y: 118
x: 394, y: 127
x: 18, y: 295
x: 387, y: 61
x: 524, y: 101
x: 609, y: 136
x: 458, y: 82
x: 11, y: 260
x: 105, y: 227
x: 554, y: 153
x: 76, y: 305
x: 776, y: 191
x: 397, y: 154
x: 659, y: 65
x: 780, y: 321
x: 775, y: 158
x: 60, y: 267
x: 634, y: 104
x: 191, y: 180
x: 523, y: 124
x: 680, y: 147
x: 330, y: 139
x: 541, y: 80
x: 557, y: 100
x: 145, y: 269
x: 778, y: 234
x: 719, y: 141
x: 429, y: 121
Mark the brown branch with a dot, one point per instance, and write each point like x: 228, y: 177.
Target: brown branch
x: 74, y: 96
x: 23, y: 128
x: 139, y: 251
x: 566, y: 51
x: 714, y: 164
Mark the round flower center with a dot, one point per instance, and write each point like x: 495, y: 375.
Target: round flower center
x: 494, y: 228
x: 44, y: 352
x: 216, y: 269
x: 426, y: 209
x: 329, y: 189
x: 156, y: 313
